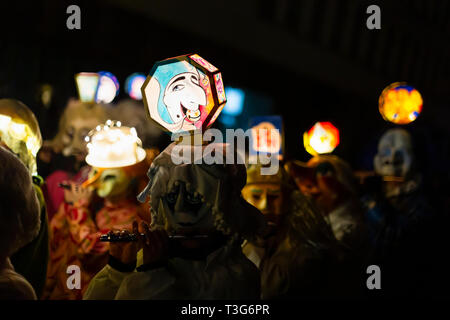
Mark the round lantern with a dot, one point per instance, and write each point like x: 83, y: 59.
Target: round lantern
x: 133, y: 85
x: 400, y: 103
x: 108, y: 87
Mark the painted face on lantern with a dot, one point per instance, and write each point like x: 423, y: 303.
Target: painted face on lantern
x: 110, y: 182
x: 394, y: 157
x: 183, y: 96
x: 267, y: 198
x: 186, y: 211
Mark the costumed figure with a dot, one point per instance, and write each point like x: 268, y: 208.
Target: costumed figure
x: 63, y: 158
x: 192, y: 248
x: 402, y: 226
x: 330, y: 183
x: 118, y: 171
x: 200, y: 208
x: 19, y: 224
x: 298, y: 251
x: 20, y: 133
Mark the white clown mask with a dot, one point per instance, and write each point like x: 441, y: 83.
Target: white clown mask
x: 395, y: 154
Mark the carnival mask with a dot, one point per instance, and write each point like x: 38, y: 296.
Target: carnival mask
x: 109, y: 182
x: 394, y: 157
x: 267, y: 198
x: 186, y: 211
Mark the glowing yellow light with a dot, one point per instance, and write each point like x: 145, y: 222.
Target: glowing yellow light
x: 18, y: 130
x: 400, y: 103
x: 33, y: 145
x: 322, y: 138
x: 114, y: 146
x: 4, y: 122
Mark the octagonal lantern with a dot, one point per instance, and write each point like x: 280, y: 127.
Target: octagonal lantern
x: 184, y: 93
x: 322, y: 138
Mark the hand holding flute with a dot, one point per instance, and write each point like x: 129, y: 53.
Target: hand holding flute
x: 155, y: 245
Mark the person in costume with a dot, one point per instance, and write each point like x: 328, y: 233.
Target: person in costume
x: 298, y: 252
x: 329, y: 182
x: 404, y: 229
x: 63, y: 158
x: 202, y: 205
x: 118, y: 170
x: 19, y: 225
x: 20, y: 133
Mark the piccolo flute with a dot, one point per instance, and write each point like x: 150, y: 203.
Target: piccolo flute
x: 130, y: 237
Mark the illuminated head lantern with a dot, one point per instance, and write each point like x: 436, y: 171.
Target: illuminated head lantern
x: 19, y: 131
x: 113, y: 150
x: 184, y: 93
x: 322, y: 138
x: 113, y: 146
x: 400, y: 103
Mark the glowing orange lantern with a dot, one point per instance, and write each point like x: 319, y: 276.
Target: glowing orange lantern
x: 400, y: 103
x: 322, y: 138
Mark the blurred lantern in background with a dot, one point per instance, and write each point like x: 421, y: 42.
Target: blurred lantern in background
x: 45, y: 95
x: 19, y: 130
x: 234, y: 106
x: 400, y: 103
x: 322, y: 138
x: 108, y: 87
x: 87, y: 85
x: 113, y: 146
x: 266, y: 136
x: 184, y: 93
x: 133, y: 85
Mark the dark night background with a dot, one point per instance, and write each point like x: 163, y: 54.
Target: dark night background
x: 311, y: 60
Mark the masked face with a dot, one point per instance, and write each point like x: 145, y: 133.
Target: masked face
x: 394, y: 157
x: 186, y: 212
x: 110, y: 182
x: 73, y: 141
x: 267, y: 198
x: 183, y: 97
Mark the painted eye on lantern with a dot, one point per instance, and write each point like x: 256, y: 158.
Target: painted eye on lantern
x: 178, y: 87
x: 194, y: 79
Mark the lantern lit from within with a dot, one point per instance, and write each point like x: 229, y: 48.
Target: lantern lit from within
x: 133, y: 85
x: 235, y: 103
x: 184, y: 93
x: 20, y: 132
x: 87, y: 85
x: 322, y: 138
x: 266, y: 135
x: 400, y: 103
x: 108, y: 87
x: 113, y: 146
